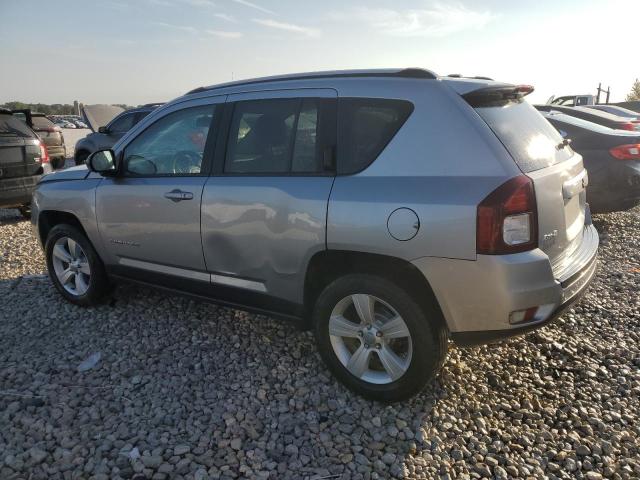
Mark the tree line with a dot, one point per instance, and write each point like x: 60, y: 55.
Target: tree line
x: 50, y: 109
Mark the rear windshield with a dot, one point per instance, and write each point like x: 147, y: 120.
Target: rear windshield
x: 586, y: 124
x: 41, y: 123
x: 526, y: 134
x: 10, y: 125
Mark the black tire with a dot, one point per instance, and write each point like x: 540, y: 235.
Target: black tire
x: 423, y: 319
x: 57, y: 163
x: 98, y: 284
x: 81, y: 157
x: 25, y: 211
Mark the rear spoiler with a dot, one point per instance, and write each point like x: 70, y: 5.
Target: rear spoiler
x: 496, y: 95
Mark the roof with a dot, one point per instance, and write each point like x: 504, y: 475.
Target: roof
x: 389, y: 72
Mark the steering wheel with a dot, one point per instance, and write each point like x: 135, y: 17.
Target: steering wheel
x: 187, y: 161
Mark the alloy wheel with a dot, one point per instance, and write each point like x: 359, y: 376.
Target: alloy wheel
x: 71, y: 266
x: 370, y: 339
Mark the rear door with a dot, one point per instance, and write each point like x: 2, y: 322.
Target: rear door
x: 264, y: 209
x: 556, y: 170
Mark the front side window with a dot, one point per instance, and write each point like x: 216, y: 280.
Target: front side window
x: 173, y: 145
x: 122, y: 124
x: 274, y: 136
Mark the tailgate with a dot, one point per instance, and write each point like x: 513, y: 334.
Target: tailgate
x: 12, y: 157
x: 558, y: 175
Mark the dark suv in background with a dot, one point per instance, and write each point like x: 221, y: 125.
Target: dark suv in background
x: 23, y: 160
x: 109, y: 123
x: 49, y: 133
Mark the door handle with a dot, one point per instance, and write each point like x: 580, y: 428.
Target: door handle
x: 178, y: 195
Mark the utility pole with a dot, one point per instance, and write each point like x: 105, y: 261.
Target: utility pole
x: 602, y: 90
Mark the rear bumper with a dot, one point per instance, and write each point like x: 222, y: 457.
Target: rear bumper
x: 56, y: 151
x: 478, y: 297
x: 15, y: 192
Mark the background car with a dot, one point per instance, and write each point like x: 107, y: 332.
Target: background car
x: 617, y: 110
x: 601, y: 118
x: 612, y: 158
x: 49, y: 132
x: 23, y: 160
x: 108, y: 123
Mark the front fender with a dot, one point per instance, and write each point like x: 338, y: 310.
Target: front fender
x: 72, y: 197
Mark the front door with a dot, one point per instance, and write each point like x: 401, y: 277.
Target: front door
x: 264, y: 208
x: 149, y: 216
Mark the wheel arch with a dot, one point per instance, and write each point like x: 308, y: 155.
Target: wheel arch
x: 328, y: 265
x: 47, y: 219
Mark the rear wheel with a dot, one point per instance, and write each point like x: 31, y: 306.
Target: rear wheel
x: 74, y: 266
x: 25, y: 211
x: 377, y: 339
x: 57, y: 163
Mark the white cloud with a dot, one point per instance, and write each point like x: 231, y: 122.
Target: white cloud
x: 182, y: 28
x: 226, y: 17
x: 246, y: 3
x: 224, y: 34
x: 437, y: 20
x: 288, y: 27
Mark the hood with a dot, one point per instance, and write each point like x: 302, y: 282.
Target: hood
x: 74, y: 173
x: 96, y: 116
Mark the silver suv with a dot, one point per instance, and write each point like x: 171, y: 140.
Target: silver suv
x: 388, y: 210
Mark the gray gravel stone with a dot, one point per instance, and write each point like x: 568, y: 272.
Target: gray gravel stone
x: 200, y: 391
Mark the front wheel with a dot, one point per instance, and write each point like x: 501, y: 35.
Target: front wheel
x: 74, y: 266
x: 377, y: 339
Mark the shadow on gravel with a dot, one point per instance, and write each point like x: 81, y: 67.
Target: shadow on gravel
x: 10, y: 216
x: 193, y: 385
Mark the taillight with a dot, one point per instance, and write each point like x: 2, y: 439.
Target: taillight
x: 44, y: 155
x: 626, y: 126
x: 626, y: 152
x: 507, y: 219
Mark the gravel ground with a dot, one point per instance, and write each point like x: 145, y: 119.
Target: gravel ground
x: 189, y: 390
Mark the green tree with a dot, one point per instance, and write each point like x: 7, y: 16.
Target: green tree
x: 635, y: 92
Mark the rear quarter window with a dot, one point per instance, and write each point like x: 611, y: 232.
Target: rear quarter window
x: 365, y: 127
x: 530, y: 139
x: 41, y: 123
x: 10, y: 125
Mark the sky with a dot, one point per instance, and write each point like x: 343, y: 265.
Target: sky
x: 140, y: 51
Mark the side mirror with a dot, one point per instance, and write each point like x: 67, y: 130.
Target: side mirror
x: 102, y: 162
x: 103, y: 130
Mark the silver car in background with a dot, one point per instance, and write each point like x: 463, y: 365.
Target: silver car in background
x: 388, y: 210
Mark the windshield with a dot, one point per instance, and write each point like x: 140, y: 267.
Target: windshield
x: 529, y: 138
x: 9, y: 125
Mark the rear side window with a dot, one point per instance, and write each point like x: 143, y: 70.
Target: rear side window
x: 365, y: 127
x: 274, y: 136
x: 526, y: 134
x: 10, y: 125
x: 41, y: 123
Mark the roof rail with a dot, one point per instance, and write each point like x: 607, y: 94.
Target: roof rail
x: 401, y: 73
x: 155, y: 104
